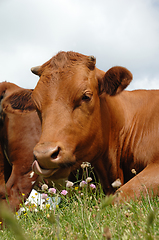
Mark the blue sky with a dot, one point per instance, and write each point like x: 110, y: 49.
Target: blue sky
x: 116, y: 32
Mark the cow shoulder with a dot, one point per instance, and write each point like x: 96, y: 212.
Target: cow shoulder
x: 20, y: 101
x: 116, y: 79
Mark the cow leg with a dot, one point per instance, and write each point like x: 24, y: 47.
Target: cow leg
x: 143, y: 184
x: 102, y: 174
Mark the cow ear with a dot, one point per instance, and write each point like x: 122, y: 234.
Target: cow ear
x: 116, y: 79
x: 19, y: 101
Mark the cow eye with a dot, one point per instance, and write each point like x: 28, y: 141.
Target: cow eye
x: 86, y: 97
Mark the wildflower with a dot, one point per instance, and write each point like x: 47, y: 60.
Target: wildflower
x: 42, y: 206
x: 33, y: 197
x: 64, y: 192
x: 44, y: 196
x: 85, y: 164
x: 23, y: 194
x: 25, y: 214
x: 57, y: 206
x: 133, y: 171
x: 116, y: 183
x: 21, y: 211
x: 48, y: 215
x: 69, y: 184
x: 76, y: 188
x: 44, y: 187
x: 47, y: 199
x: 48, y: 206
x: 89, y: 179
x: 0, y: 222
x: 52, y: 190
x: 92, y: 186
x: 36, y: 193
x: 82, y: 184
x: 88, y: 164
x: 17, y: 213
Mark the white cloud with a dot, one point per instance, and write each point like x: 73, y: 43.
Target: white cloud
x: 117, y: 32
x: 144, y: 83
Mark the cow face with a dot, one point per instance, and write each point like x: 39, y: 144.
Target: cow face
x: 70, y: 114
x: 70, y: 99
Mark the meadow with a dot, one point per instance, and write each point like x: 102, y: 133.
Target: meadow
x: 84, y: 212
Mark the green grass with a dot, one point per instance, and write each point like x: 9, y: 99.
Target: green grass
x: 85, y: 214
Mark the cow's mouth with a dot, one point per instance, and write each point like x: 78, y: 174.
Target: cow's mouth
x: 43, y: 172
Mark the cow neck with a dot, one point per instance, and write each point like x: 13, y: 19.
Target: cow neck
x: 116, y: 112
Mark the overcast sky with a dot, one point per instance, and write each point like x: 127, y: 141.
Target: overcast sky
x: 116, y: 32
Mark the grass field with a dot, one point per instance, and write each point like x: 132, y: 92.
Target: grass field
x: 84, y: 213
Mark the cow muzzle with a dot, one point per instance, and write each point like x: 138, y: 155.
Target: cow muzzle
x: 51, y: 157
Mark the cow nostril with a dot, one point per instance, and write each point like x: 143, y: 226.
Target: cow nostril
x: 55, y: 154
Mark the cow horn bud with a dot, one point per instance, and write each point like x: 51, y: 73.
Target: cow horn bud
x: 92, y: 58
x: 35, y: 70
x: 91, y: 62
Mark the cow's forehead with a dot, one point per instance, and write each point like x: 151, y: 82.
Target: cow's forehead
x: 67, y: 70
x: 63, y: 60
x: 65, y: 82
x: 65, y: 67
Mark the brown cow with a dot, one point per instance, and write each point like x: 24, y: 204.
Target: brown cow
x: 86, y: 116
x: 18, y: 136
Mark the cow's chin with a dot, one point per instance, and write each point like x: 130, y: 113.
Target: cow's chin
x: 55, y: 173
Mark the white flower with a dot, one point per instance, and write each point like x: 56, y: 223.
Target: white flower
x: 116, y: 183
x: 44, y: 187
x: 133, y: 171
x: 89, y: 179
x: 85, y: 164
x: 69, y: 184
x: 82, y: 184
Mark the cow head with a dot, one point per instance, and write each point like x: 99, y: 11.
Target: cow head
x: 70, y: 99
